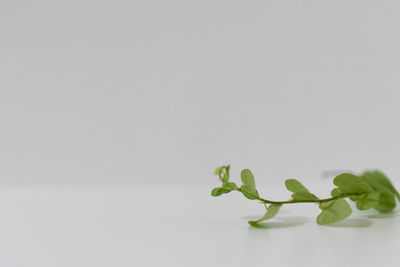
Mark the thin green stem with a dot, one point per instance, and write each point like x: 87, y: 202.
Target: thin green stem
x: 292, y: 201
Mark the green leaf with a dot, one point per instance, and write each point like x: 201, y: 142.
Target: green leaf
x: 336, y: 192
x: 247, y: 192
x: 249, y: 185
x: 295, y: 186
x: 333, y: 211
x: 349, y: 184
x: 386, y: 202
x: 226, y: 176
x: 218, y: 170
x: 272, y: 210
x: 248, y: 178
x: 355, y: 198
x: 223, y: 173
x: 219, y: 191
x: 229, y: 185
x: 300, y: 192
x: 379, y: 182
x: 367, y: 201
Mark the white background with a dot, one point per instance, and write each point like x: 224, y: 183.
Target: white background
x: 153, y: 95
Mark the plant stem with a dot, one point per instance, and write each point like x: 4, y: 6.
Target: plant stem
x: 292, y: 201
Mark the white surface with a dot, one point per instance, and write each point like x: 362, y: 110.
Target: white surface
x: 102, y: 91
x: 113, y: 112
x: 180, y: 226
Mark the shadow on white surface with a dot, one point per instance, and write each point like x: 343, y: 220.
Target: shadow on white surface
x: 284, y: 222
x: 294, y: 221
x: 352, y: 223
x: 384, y: 215
x: 255, y: 217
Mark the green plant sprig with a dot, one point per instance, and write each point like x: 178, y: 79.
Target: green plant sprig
x: 370, y: 190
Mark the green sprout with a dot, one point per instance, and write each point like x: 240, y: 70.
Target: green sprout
x: 372, y: 189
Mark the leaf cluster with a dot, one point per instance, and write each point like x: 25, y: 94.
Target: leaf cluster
x: 370, y: 190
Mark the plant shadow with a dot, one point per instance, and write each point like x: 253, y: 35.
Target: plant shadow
x: 352, y: 223
x: 249, y: 217
x: 293, y: 221
x: 384, y: 215
x: 282, y: 222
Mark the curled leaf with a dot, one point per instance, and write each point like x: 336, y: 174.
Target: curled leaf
x: 223, y: 173
x: 272, y: 210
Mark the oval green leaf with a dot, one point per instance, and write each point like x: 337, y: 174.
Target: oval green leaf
x: 386, y: 203
x: 249, y: 185
x: 219, y: 191
x: 300, y: 192
x: 349, y: 184
x: 333, y: 211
